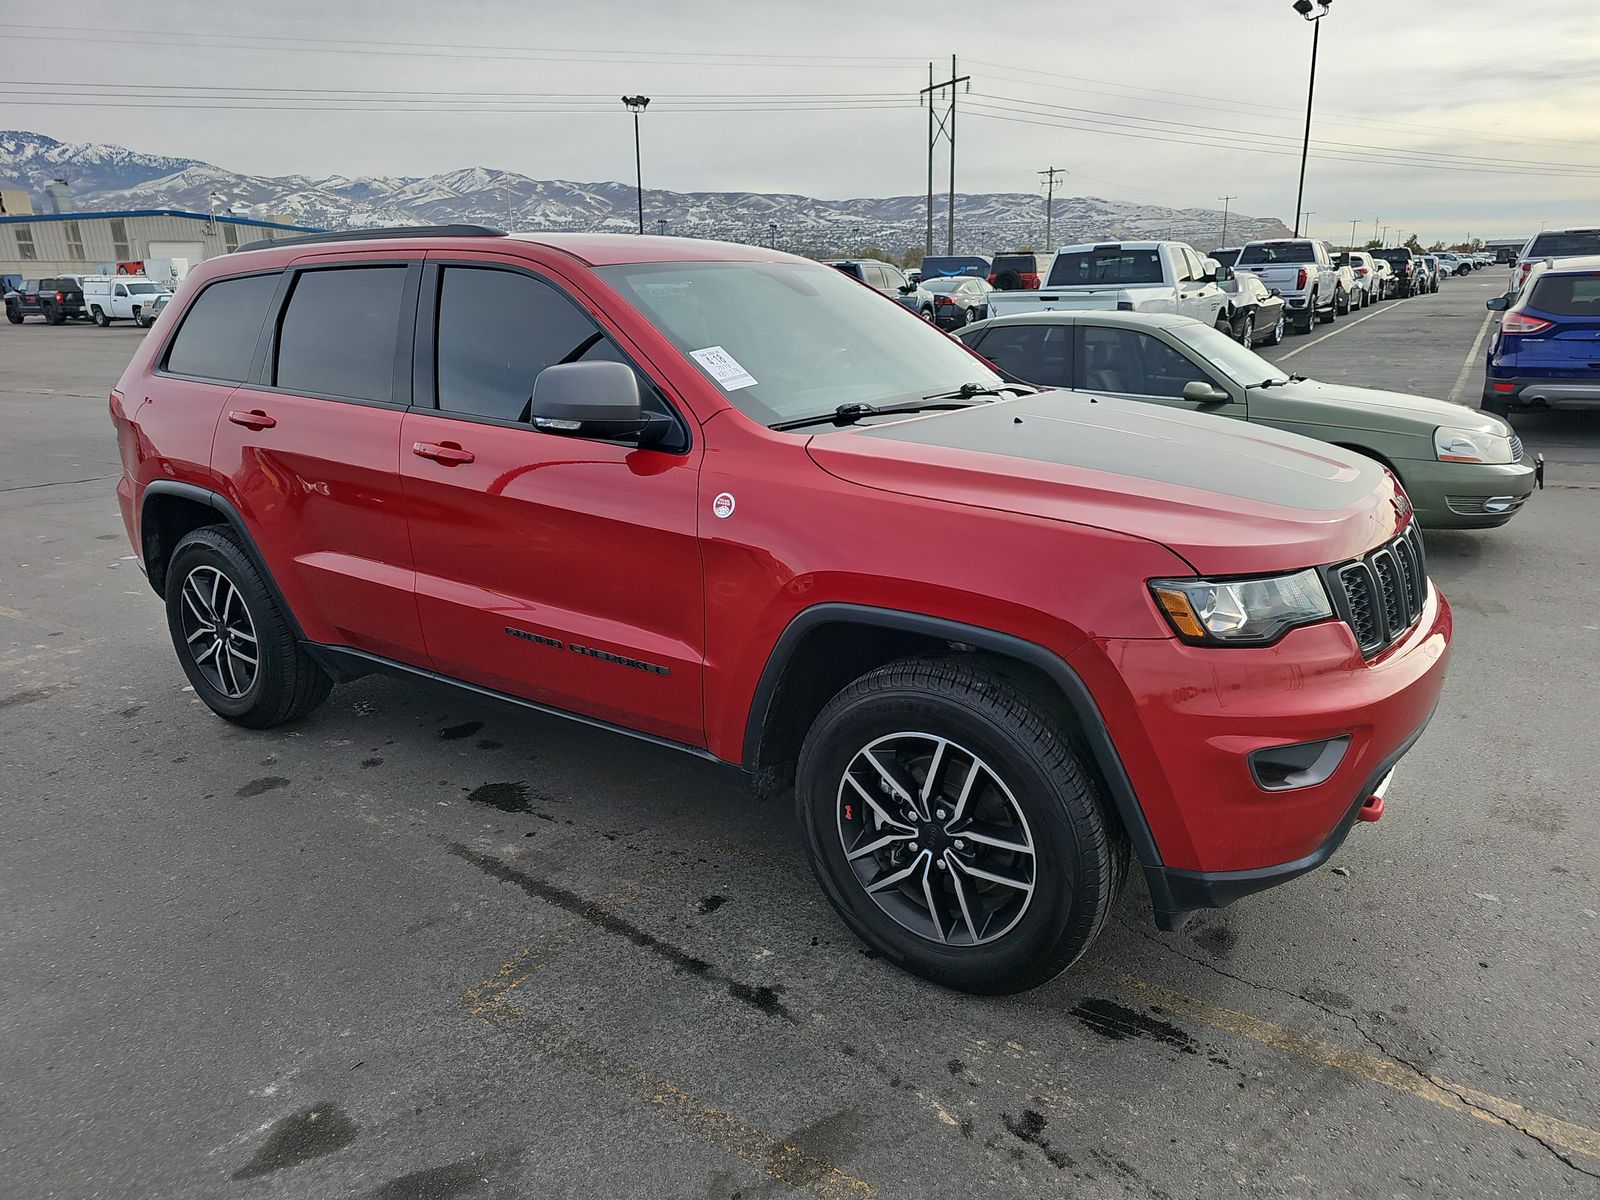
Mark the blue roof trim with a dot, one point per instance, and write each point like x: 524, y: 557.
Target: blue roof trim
x: 159, y: 212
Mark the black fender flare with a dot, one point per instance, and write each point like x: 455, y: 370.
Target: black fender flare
x: 1071, y: 686
x: 231, y: 517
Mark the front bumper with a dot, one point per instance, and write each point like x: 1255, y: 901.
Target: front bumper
x: 1467, y: 495
x: 1185, y: 720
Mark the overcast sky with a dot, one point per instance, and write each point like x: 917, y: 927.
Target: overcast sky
x: 1454, y: 83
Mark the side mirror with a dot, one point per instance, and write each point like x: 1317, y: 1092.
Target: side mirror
x: 1498, y: 303
x: 589, y: 399
x: 1198, y: 391
x: 907, y: 288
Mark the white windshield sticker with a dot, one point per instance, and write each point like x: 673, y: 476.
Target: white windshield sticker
x: 723, y: 367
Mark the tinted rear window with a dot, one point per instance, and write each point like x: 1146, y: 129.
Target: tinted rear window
x: 1567, y: 295
x: 1565, y: 245
x: 218, y: 336
x: 1023, y: 263
x: 1226, y: 257
x: 338, y: 334
x: 1277, y: 252
x: 1106, y: 266
x: 1393, y: 256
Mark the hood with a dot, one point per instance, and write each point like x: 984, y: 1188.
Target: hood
x: 1365, y: 408
x: 1230, y: 498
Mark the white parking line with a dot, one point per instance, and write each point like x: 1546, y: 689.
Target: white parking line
x: 1342, y: 328
x: 1472, y: 358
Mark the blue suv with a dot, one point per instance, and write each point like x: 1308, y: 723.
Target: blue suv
x: 1547, y: 350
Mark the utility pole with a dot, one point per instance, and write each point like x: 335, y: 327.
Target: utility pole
x: 1353, y: 232
x: 1308, y: 214
x: 1050, y: 174
x: 1375, y: 236
x: 1226, y: 200
x: 943, y: 127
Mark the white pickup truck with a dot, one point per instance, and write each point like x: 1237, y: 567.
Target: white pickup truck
x: 1302, y: 271
x: 1164, y: 277
x: 109, y: 298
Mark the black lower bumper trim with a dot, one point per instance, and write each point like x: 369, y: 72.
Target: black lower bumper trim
x: 1177, y: 893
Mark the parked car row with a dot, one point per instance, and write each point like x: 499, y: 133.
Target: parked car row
x: 989, y: 632
x: 1545, y: 353
x: 98, y: 298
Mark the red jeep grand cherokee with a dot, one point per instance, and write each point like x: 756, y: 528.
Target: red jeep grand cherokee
x: 728, y: 500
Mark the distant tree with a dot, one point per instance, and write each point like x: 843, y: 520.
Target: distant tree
x: 877, y: 252
x: 1436, y: 247
x: 911, y: 256
x: 1412, y: 244
x: 1373, y: 244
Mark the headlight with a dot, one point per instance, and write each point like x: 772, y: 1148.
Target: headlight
x: 1470, y: 446
x: 1241, y: 611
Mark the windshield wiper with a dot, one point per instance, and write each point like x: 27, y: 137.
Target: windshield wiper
x: 968, y: 390
x: 849, y: 414
x: 1278, y: 382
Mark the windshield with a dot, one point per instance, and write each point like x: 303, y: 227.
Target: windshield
x: 1111, y: 265
x: 1277, y: 252
x: 1228, y: 356
x: 1565, y: 245
x: 788, y: 340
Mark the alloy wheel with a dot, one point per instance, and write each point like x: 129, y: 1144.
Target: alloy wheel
x: 1248, y: 337
x: 219, y: 633
x: 936, y: 839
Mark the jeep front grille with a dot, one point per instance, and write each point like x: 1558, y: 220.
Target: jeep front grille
x: 1380, y: 595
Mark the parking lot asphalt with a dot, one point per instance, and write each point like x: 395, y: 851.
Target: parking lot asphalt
x: 419, y: 946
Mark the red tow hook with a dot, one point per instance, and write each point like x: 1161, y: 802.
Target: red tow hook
x: 1372, y: 810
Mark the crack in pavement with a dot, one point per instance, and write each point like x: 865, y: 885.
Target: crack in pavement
x: 1457, y: 1091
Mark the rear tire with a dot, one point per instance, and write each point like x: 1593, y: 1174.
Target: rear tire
x: 233, y: 640
x: 53, y: 316
x: 1001, y: 915
x: 13, y: 314
x: 100, y: 317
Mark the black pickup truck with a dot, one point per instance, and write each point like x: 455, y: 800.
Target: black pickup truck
x: 53, y: 299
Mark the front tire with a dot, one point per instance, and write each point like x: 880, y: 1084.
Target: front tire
x: 13, y: 314
x: 233, y: 641
x: 954, y: 828
x: 1328, y: 317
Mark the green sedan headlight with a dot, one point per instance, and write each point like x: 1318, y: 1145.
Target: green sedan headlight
x: 1241, y: 611
x: 1471, y: 446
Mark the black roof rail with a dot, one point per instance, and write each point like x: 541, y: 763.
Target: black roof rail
x: 362, y: 235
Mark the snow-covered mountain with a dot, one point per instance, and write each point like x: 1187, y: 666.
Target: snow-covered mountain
x: 104, y: 177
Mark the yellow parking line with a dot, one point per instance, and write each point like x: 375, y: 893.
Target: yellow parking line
x: 1578, y: 1139
x: 782, y: 1160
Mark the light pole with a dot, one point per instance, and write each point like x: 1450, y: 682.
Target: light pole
x: 772, y: 228
x: 661, y: 227
x: 1306, y: 9
x: 636, y: 105
x: 213, y: 200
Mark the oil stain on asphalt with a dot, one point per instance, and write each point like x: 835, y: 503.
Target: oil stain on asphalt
x: 300, y: 1137
x: 266, y: 783
x: 454, y: 733
x: 765, y: 999
x: 1116, y: 1022
x: 507, y: 797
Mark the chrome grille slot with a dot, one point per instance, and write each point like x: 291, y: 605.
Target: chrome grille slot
x: 1516, y: 448
x: 1356, y: 582
x: 1391, y: 590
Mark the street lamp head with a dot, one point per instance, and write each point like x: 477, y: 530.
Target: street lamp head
x: 636, y: 104
x: 1306, y: 8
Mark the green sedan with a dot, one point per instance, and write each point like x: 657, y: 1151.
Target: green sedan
x: 1462, y: 468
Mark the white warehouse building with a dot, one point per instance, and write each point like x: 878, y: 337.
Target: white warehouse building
x: 89, y: 243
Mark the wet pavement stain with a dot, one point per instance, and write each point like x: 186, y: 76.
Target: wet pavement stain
x: 763, y: 998
x: 708, y: 904
x: 266, y: 783
x: 507, y: 797
x: 300, y: 1137
x: 434, y: 1183
x: 371, y: 762
x: 1117, y: 1023
x: 1029, y: 1127
x: 133, y: 710
x: 488, y: 744
x: 1218, y: 939
x: 454, y: 733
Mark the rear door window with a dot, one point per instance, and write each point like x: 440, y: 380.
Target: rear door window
x: 1031, y: 353
x: 218, y: 336
x: 339, y: 334
x: 1134, y: 363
